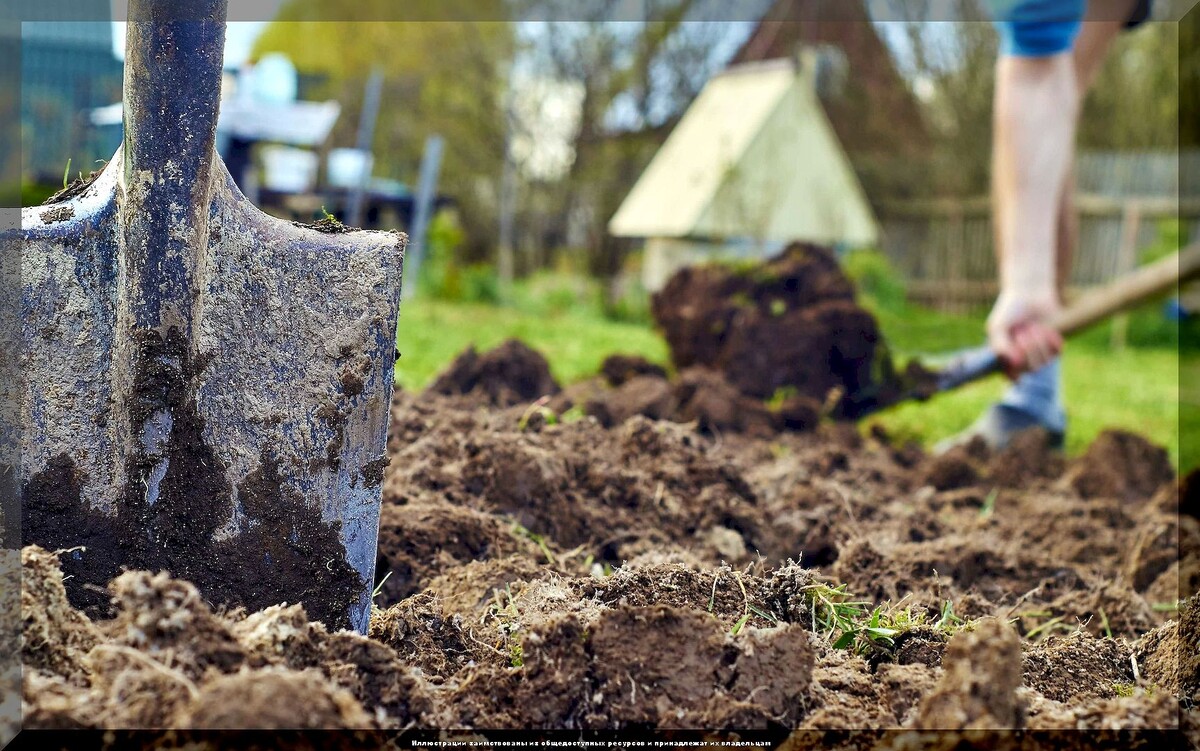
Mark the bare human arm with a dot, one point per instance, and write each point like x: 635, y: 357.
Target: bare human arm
x: 1036, y: 111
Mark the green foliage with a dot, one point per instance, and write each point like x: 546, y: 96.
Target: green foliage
x: 502, y: 611
x: 33, y: 194
x: 845, y: 621
x: 876, y: 279
x: 444, y: 276
x: 781, y: 395
x: 441, y: 76
x: 433, y: 332
x: 550, y: 293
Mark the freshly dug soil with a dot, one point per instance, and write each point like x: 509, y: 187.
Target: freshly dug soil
x: 509, y: 374
x: 789, y: 324
x: 652, y: 575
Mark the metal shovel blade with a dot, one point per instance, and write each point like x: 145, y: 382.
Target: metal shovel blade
x: 207, y: 388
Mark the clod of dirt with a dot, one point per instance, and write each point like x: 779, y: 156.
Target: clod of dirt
x: 1122, y: 465
x: 280, y: 635
x: 1027, y: 459
x: 844, y: 695
x: 706, y: 398
x: 54, y: 636
x: 1076, y: 667
x: 376, y: 675
x: 156, y: 613
x: 1154, y: 550
x: 788, y: 323
x: 646, y: 395
x: 665, y: 667
x: 785, y: 589
x: 1169, y: 656
x: 951, y: 470
x: 617, y: 369
x: 273, y: 699
x: 510, y: 374
x: 980, y: 678
x: 904, y: 685
x: 418, y: 540
x: 425, y: 637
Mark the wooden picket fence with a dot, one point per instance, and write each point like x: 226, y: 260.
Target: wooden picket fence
x: 944, y: 248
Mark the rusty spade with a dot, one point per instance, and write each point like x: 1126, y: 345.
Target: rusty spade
x: 207, y: 387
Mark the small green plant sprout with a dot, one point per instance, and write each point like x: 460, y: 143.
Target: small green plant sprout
x: 837, y: 616
x: 537, y: 408
x: 1165, y: 607
x: 536, y: 539
x: 1104, y: 624
x: 1124, y: 690
x: 948, y: 623
x: 66, y: 172
x: 574, y: 414
x: 329, y: 224
x: 781, y: 395
x: 1057, y: 623
x: 379, y: 587
x: 989, y: 504
x: 503, y: 609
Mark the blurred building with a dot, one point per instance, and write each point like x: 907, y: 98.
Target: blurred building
x: 802, y: 138
x: 753, y: 165
x: 67, y: 68
x: 872, y: 109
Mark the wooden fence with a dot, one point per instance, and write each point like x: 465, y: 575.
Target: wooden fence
x: 944, y: 247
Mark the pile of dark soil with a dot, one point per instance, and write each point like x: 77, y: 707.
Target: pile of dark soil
x: 512, y: 373
x: 648, y: 575
x: 759, y: 349
x: 789, y: 325
x: 627, y: 386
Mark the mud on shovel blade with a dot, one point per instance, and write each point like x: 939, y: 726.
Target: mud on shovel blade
x: 208, y: 387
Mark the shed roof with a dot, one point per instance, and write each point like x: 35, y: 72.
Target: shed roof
x: 753, y: 157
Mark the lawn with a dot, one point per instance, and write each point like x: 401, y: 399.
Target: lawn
x: 1136, y: 388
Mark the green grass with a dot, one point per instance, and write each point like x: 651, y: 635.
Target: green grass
x: 1137, y: 388
x: 433, y: 332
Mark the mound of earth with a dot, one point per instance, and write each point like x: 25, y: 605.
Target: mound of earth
x: 651, y: 575
x: 512, y: 373
x: 787, y: 325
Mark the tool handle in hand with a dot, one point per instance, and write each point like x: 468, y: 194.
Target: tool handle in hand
x: 1128, y: 291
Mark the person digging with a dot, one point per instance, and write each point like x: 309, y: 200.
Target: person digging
x: 1050, y: 53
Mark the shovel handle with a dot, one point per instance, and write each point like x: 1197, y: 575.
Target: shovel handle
x: 1095, y: 306
x: 1128, y: 291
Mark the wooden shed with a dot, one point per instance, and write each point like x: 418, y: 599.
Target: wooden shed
x: 753, y: 165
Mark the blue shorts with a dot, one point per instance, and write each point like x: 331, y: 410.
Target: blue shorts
x: 1038, y: 28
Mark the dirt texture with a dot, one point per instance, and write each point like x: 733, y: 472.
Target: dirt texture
x: 789, y: 325
x: 653, y: 574
x: 509, y: 374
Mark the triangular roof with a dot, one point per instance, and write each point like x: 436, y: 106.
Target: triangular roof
x: 876, y: 113
x: 753, y: 157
